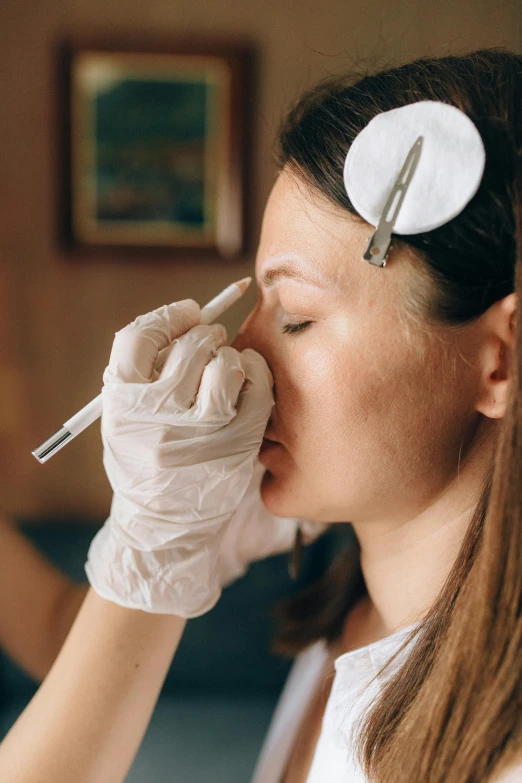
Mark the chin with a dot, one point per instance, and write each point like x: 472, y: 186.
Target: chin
x: 288, y: 495
x: 281, y: 499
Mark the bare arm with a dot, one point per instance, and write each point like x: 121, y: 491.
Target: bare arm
x: 38, y: 603
x: 88, y: 718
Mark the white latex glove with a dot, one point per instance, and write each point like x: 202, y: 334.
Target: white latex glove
x: 179, y: 451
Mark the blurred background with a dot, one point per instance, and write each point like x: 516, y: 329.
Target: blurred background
x: 59, y: 309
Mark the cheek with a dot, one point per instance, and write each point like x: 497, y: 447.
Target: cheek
x: 369, y: 424
x: 322, y: 414
x: 316, y: 389
x: 331, y: 380
x: 345, y: 412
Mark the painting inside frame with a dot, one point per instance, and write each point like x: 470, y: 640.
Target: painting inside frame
x: 151, y: 151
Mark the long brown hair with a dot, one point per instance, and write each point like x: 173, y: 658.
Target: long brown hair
x: 453, y: 711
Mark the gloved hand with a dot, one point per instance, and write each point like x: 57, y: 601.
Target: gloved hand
x: 180, y: 448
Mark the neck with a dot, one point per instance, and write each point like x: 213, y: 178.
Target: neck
x: 405, y: 562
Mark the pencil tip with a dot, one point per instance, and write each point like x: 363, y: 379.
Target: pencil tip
x: 243, y: 284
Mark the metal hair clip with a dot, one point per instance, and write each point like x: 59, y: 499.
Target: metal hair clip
x: 380, y: 241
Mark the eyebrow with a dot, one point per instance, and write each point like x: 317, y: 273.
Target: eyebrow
x: 293, y: 272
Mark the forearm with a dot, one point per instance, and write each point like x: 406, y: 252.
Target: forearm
x: 88, y: 718
x: 66, y: 606
x: 38, y: 603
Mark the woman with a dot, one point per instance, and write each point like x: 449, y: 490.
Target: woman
x: 393, y: 410
x: 396, y: 408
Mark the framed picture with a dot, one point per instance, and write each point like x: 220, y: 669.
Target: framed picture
x: 157, y: 148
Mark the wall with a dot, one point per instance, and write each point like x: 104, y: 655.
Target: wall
x: 58, y: 317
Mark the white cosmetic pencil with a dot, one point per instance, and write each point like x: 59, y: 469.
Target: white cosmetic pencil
x: 93, y: 410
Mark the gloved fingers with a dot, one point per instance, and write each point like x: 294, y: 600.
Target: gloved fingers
x: 221, y: 383
x: 135, y: 348
x: 256, y: 400
x: 187, y: 360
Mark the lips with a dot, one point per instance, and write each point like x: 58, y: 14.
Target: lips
x: 270, y: 440
x: 267, y: 442
x: 270, y: 445
x: 268, y: 449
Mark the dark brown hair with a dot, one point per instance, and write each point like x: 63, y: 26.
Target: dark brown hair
x: 453, y: 711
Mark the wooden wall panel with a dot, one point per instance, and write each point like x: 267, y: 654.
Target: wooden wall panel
x: 58, y: 316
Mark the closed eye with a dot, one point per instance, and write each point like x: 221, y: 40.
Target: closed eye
x: 293, y: 328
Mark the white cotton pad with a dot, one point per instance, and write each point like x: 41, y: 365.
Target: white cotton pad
x: 448, y: 174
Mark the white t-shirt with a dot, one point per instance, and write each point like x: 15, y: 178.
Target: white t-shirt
x: 355, y: 686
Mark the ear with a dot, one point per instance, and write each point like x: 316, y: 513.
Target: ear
x: 499, y: 342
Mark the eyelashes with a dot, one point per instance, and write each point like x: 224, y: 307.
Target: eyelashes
x: 294, y: 328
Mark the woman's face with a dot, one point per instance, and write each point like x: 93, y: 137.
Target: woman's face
x: 367, y: 421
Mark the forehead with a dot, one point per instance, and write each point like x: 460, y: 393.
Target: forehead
x: 301, y: 226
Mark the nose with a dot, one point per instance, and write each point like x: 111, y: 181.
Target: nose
x: 255, y: 333
x: 244, y: 336
x: 252, y: 334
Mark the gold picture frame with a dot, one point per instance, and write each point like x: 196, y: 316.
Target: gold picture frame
x: 156, y: 142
